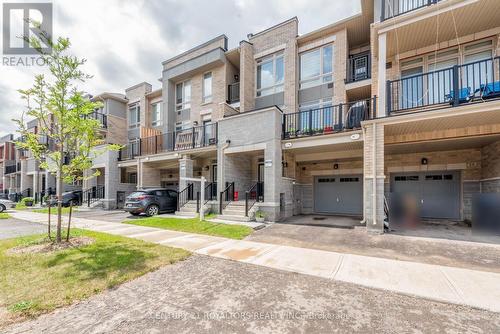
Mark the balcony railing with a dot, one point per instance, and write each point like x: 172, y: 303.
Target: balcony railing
x: 449, y: 87
x: 102, y: 118
x: 358, y: 67
x: 233, y: 93
x: 393, y: 8
x: 327, y: 120
x: 196, y: 137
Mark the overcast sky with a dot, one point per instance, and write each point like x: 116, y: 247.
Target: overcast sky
x: 125, y: 41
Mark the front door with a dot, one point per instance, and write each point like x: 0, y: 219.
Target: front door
x: 214, y: 180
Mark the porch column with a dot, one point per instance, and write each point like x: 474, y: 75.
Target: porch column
x: 373, y: 187
x: 382, y: 60
x: 272, y: 178
x: 36, y: 183
x: 185, y: 170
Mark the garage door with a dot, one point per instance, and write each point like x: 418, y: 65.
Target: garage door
x: 339, y: 194
x: 437, y: 193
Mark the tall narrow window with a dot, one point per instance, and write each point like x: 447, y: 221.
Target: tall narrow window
x: 316, y: 66
x: 134, y: 116
x: 183, y: 96
x: 270, y: 75
x: 156, y: 114
x: 207, y: 87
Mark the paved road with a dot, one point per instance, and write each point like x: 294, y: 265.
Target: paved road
x: 11, y: 228
x: 179, y: 299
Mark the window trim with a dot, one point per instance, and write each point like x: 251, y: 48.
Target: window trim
x: 276, y: 88
x: 208, y: 98
x: 321, y: 75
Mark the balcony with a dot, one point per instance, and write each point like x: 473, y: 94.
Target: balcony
x: 358, y: 67
x: 233, y: 93
x: 394, y: 8
x: 449, y: 87
x: 328, y: 120
x: 102, y: 118
x: 196, y: 137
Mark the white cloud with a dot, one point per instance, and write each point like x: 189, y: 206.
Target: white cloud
x: 125, y: 42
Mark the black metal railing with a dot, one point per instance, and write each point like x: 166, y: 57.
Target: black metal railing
x: 210, y: 192
x: 358, y: 67
x: 26, y: 193
x: 93, y: 194
x: 253, y: 195
x: 196, y: 137
x: 99, y: 116
x: 327, y: 120
x: 393, y: 8
x: 10, y: 169
x: 449, y: 87
x: 233, y: 93
x: 226, y: 196
x: 185, y: 195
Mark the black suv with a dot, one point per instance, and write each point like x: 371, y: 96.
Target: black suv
x: 151, y: 202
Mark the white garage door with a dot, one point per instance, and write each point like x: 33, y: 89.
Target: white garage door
x: 339, y: 194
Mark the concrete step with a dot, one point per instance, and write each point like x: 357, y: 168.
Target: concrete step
x: 188, y: 209
x: 186, y: 214
x: 236, y: 212
x: 234, y: 218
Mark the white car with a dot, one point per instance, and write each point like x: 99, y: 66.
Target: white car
x: 6, y: 204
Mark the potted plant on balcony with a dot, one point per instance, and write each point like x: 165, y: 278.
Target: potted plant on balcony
x: 317, y: 131
x: 328, y: 129
x: 260, y: 216
x: 292, y: 132
x: 28, y: 201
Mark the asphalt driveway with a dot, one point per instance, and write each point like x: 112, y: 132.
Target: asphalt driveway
x: 11, y: 228
x: 209, y: 295
x: 342, y: 239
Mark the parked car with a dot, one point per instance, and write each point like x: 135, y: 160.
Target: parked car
x: 6, y: 204
x: 151, y: 202
x: 68, y: 198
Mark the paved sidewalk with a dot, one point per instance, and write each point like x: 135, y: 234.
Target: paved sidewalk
x: 448, y: 284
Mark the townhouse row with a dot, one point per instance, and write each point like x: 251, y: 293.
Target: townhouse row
x: 399, y: 99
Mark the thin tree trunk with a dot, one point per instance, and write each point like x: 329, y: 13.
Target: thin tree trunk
x: 69, y: 219
x: 50, y: 237
x: 59, y: 189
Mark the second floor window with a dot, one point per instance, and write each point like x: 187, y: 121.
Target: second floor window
x: 207, y: 87
x: 156, y: 114
x: 183, y: 96
x: 270, y: 75
x: 316, y: 67
x: 134, y: 116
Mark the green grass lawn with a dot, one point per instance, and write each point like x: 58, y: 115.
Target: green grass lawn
x: 194, y: 226
x: 4, y: 215
x: 31, y: 284
x: 53, y: 210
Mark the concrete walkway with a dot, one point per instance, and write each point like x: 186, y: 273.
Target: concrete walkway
x: 448, y: 284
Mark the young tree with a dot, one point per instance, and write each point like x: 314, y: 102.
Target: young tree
x: 67, y: 136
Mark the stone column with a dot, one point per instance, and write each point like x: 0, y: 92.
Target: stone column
x: 185, y: 170
x: 382, y: 60
x: 373, y: 188
x: 272, y: 179
x: 247, y: 77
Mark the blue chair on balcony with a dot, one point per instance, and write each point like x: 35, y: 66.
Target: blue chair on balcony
x: 464, y: 95
x: 490, y: 90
